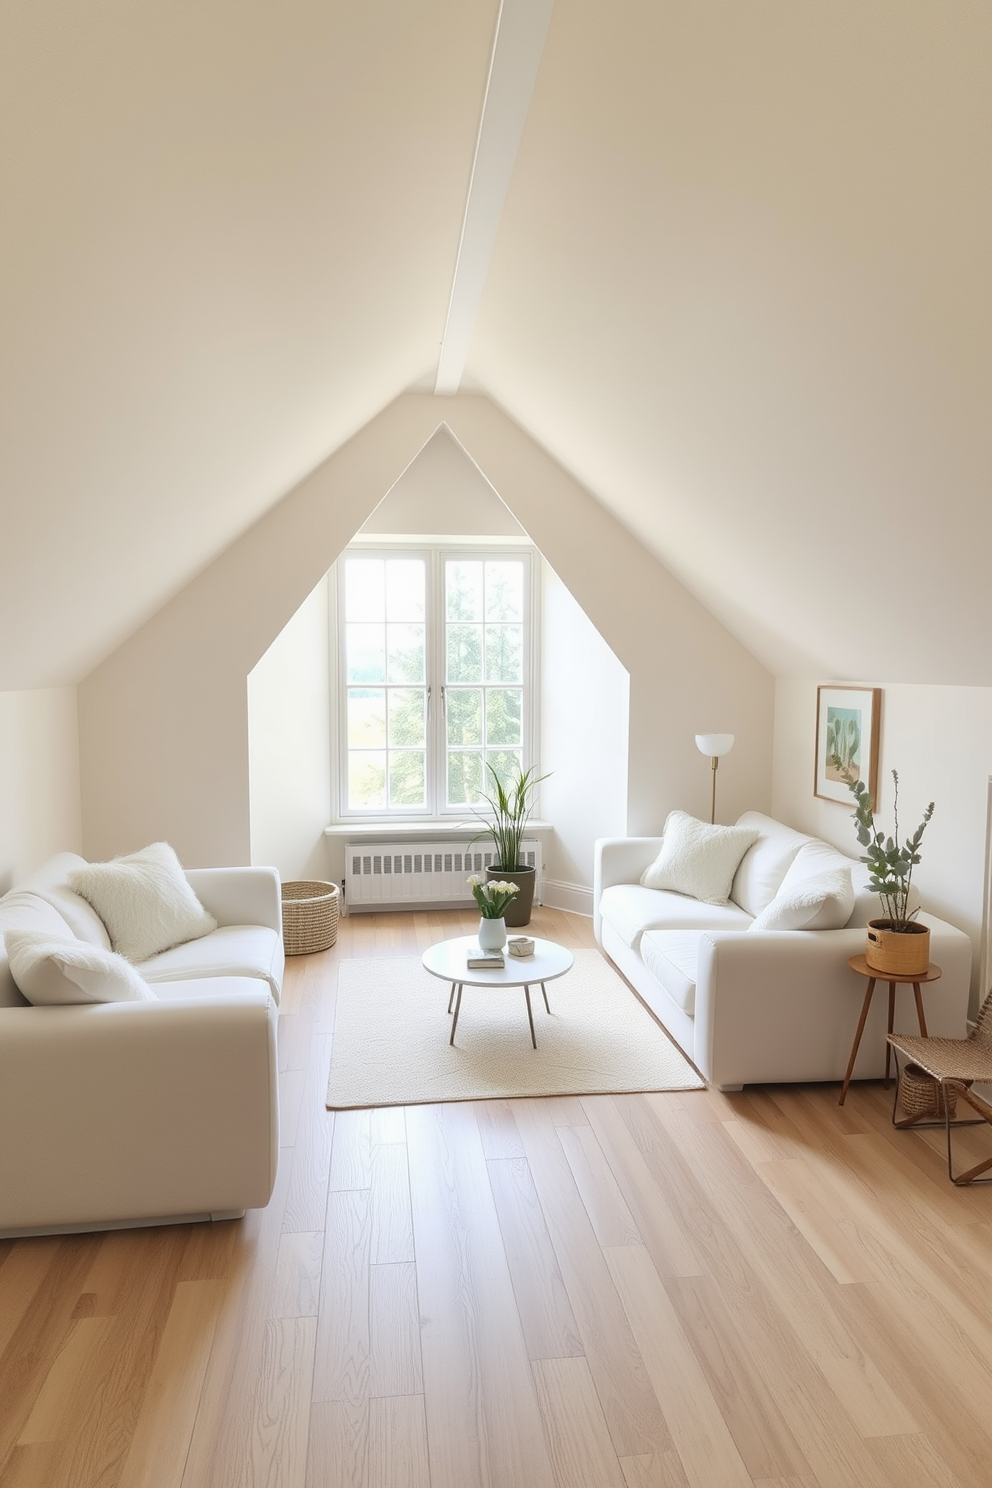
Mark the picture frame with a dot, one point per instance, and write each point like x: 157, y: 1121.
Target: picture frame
x: 847, y: 725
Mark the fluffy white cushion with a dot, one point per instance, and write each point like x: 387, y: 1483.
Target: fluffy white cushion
x: 144, y: 901
x: 818, y: 901
x: 698, y: 859
x: 51, y: 972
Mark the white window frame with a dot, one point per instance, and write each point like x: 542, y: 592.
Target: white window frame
x: 436, y: 551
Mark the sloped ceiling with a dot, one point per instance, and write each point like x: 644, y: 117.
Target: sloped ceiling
x: 739, y: 288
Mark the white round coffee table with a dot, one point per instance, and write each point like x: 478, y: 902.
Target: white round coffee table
x: 447, y: 961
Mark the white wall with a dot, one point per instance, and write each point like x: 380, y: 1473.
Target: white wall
x: 940, y: 741
x: 585, y: 704
x: 289, y: 745
x: 39, y: 779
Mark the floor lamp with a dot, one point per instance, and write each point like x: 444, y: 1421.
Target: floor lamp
x: 714, y: 745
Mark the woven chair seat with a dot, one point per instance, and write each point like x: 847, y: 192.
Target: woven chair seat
x: 956, y: 1064
x: 946, y: 1058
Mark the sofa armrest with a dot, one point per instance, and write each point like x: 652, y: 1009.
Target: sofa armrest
x: 239, y: 896
x: 619, y: 860
x: 784, y: 1005
x: 138, y: 1110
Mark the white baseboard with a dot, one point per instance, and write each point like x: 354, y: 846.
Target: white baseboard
x: 575, y: 898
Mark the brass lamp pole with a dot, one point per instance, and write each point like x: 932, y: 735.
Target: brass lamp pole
x: 714, y: 745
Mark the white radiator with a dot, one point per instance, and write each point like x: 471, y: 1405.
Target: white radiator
x: 380, y: 874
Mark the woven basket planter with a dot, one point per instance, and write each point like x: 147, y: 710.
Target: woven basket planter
x: 309, y: 916
x: 921, y: 1095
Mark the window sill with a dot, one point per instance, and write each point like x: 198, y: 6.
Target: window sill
x: 430, y: 829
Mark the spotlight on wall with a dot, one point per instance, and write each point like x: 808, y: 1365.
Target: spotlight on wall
x: 714, y: 745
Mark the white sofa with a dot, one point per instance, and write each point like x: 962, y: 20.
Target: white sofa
x: 762, y: 1006
x: 147, y: 1112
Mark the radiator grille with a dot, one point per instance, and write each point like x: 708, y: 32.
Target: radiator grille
x: 383, y: 873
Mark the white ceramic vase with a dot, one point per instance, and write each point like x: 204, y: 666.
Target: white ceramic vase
x: 492, y: 934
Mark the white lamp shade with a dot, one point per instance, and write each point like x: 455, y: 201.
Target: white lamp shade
x: 714, y: 744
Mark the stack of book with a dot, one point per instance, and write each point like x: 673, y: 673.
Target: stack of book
x: 477, y: 958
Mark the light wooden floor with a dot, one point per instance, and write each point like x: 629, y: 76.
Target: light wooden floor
x: 617, y: 1292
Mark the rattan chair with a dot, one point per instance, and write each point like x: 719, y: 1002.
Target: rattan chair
x: 954, y: 1065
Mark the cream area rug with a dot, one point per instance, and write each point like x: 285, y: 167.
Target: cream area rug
x: 391, y: 1030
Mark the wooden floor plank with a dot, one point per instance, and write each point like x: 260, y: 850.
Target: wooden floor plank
x: 546, y: 1316
x: 483, y: 1422
x: 343, y: 1345
x: 636, y: 1424
x: 395, y: 1364
x: 581, y: 1450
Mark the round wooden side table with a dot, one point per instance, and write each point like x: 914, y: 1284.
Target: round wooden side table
x: 894, y: 979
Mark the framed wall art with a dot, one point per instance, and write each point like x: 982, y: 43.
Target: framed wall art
x: 847, y: 723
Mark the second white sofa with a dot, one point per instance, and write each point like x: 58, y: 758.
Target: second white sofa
x: 117, y: 1113
x: 756, y: 1006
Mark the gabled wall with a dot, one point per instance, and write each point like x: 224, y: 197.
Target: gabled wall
x: 164, y: 721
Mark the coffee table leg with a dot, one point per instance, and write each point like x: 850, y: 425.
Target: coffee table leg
x: 547, y: 1007
x: 888, y: 1046
x: 458, y: 1008
x: 530, y: 1016
x: 857, y: 1040
x: 451, y: 999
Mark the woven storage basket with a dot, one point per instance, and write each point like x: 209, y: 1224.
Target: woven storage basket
x: 920, y: 1094
x: 309, y: 916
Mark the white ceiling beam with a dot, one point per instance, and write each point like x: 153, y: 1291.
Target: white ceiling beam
x: 518, y: 44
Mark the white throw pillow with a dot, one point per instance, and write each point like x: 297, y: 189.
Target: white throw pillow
x: 698, y: 859
x: 823, y: 901
x: 144, y: 901
x: 51, y: 972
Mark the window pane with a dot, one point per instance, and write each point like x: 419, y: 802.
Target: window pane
x: 366, y: 718
x: 504, y: 653
x: 464, y: 779
x: 407, y: 778
x: 364, y: 591
x: 405, y: 585
x: 505, y: 590
x: 504, y: 716
x: 366, y: 653
x: 406, y: 653
x: 367, y: 780
x: 406, y: 716
x: 463, y: 583
x: 464, y: 653
x: 463, y: 707
x: 506, y: 763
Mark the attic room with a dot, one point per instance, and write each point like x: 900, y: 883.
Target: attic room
x: 693, y: 298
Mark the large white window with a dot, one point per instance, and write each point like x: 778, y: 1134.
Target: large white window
x: 435, y: 663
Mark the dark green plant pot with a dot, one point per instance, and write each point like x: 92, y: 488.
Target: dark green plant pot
x: 519, y: 908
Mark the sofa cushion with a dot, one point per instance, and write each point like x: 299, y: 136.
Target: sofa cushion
x: 51, y: 883
x: 52, y: 972
x: 630, y: 909
x: 230, y: 950
x: 764, y: 865
x: 821, y: 902
x: 144, y: 901
x: 670, y: 956
x: 698, y: 859
x: 22, y: 910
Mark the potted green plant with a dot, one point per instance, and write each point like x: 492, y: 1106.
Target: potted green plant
x: 897, y: 942
x: 510, y: 807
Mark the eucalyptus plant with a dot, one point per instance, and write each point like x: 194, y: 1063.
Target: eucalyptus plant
x: 510, y: 806
x: 891, y: 863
